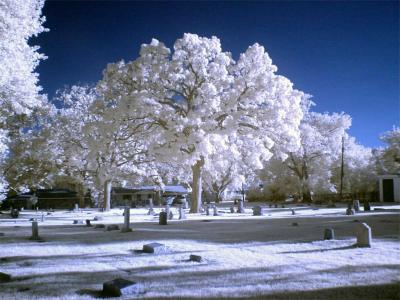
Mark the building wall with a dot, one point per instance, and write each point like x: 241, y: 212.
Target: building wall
x: 396, y: 186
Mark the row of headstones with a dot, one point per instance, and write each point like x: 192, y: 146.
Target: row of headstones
x: 363, y: 235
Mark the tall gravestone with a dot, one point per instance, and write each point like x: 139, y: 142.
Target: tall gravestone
x: 240, y: 209
x: 367, y: 206
x: 163, y: 218
x: 350, y: 211
x: 257, y: 211
x: 126, y: 227
x: 356, y: 205
x: 35, y: 231
x: 329, y: 234
x: 364, y: 236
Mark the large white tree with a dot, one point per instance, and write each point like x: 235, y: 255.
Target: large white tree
x: 19, y: 90
x: 199, y: 97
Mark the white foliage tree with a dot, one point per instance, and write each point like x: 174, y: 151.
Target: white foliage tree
x: 321, y: 136
x: 199, y: 97
x: 19, y: 90
x: 389, y: 157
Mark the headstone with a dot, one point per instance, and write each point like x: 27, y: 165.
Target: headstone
x: 126, y: 227
x: 150, y: 212
x: 4, y: 277
x: 163, y: 219
x: 356, y: 205
x: 112, y: 227
x: 76, y: 207
x: 257, y: 211
x: 293, y: 212
x: 215, y: 212
x: 182, y: 215
x: 350, y: 211
x: 99, y: 226
x: 283, y: 206
x: 367, y: 206
x: 364, y: 236
x: 240, y: 209
x: 120, y: 287
x: 35, y: 231
x: 196, y: 258
x: 14, y: 213
x: 155, y: 248
x: 170, y: 215
x: 78, y: 222
x: 97, y: 218
x: 329, y: 234
x: 232, y: 209
x: 276, y: 205
x: 88, y: 223
x: 270, y: 205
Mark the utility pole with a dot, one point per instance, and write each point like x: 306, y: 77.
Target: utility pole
x: 342, y: 171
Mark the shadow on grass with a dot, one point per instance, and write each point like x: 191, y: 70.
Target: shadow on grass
x: 321, y: 250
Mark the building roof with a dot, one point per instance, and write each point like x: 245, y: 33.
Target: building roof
x: 179, y: 189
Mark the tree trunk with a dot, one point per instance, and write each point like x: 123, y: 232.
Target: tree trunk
x: 107, y: 195
x: 196, y: 186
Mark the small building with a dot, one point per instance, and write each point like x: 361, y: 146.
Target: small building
x: 141, y: 195
x: 45, y: 199
x: 389, y: 188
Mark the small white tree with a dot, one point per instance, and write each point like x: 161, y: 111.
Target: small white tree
x: 321, y: 136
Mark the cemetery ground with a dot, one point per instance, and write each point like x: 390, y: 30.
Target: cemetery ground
x: 275, y: 256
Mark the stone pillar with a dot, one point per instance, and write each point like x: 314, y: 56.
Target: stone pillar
x: 329, y: 234
x: 126, y: 220
x: 364, y: 236
x: 35, y: 231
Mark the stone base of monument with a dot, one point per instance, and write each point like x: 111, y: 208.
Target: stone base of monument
x: 120, y: 287
x: 155, y: 248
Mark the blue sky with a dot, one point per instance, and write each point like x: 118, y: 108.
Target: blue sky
x: 346, y: 54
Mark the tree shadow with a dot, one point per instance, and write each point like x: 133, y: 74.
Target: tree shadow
x: 321, y: 250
